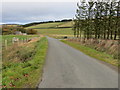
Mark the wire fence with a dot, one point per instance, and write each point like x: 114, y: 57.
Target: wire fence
x: 15, y: 41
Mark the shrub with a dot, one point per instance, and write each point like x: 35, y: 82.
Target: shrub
x: 6, y: 30
x: 31, y: 31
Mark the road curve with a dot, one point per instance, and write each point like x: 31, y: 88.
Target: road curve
x: 67, y: 67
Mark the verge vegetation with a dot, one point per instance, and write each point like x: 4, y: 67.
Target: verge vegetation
x: 93, y: 53
x: 22, y: 65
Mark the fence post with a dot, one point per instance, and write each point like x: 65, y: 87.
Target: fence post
x: 18, y: 42
x: 22, y: 40
x: 13, y: 40
x: 26, y: 39
x: 6, y: 44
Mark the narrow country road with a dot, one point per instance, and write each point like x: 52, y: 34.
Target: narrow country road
x: 67, y: 67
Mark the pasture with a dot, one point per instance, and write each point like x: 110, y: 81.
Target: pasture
x: 46, y: 25
x: 57, y: 31
x: 56, y: 28
x: 66, y: 24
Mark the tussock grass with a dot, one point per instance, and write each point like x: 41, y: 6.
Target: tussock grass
x: 22, y: 67
x: 93, y: 53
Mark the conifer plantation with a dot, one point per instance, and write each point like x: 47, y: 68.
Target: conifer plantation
x: 97, y: 20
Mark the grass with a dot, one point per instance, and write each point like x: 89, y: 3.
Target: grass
x: 66, y: 24
x: 54, y: 29
x: 93, y: 53
x: 45, y: 25
x: 22, y: 67
x: 57, y: 31
x: 9, y: 38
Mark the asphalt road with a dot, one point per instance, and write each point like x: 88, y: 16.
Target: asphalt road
x: 67, y: 67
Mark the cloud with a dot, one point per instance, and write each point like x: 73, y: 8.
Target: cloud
x: 24, y: 12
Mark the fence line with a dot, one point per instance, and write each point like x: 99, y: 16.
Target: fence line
x: 6, y: 44
x: 16, y: 41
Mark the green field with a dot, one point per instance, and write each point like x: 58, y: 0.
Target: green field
x: 66, y: 24
x: 56, y: 28
x: 58, y: 31
x: 46, y: 25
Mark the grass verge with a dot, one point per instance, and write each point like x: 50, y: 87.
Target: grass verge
x: 24, y: 70
x: 93, y: 53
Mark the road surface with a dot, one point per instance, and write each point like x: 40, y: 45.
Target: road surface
x: 67, y: 67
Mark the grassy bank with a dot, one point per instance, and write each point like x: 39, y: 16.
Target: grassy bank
x: 9, y: 38
x: 22, y: 67
x: 93, y: 53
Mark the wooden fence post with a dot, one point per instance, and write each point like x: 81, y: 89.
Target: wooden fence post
x: 22, y: 41
x: 12, y: 40
x: 6, y: 44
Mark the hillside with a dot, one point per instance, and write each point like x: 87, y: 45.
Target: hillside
x: 52, y: 25
x: 45, y: 25
x: 66, y: 24
x: 54, y: 29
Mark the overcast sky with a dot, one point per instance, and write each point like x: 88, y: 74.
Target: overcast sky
x: 25, y: 12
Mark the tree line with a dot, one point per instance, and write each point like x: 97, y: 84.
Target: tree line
x: 99, y: 20
x: 36, y: 23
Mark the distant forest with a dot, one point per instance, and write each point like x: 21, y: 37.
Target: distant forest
x: 98, y: 20
x: 35, y: 23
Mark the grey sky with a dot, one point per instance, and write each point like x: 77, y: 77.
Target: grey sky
x: 24, y: 12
